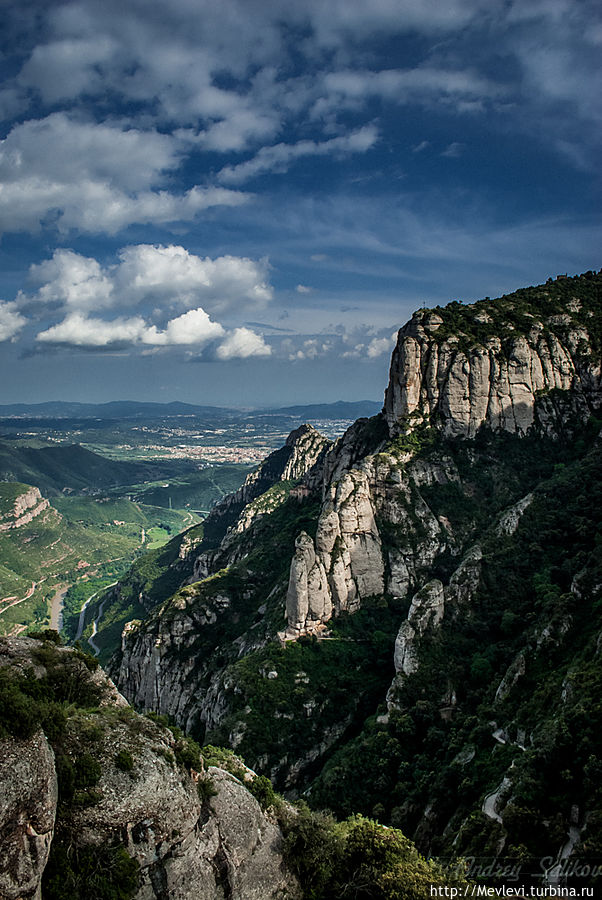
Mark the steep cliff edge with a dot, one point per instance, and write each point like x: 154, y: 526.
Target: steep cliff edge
x: 495, y: 363
x: 414, y: 588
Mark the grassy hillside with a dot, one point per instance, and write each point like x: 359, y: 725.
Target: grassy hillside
x: 75, y: 540
x: 71, y: 467
x: 196, y: 490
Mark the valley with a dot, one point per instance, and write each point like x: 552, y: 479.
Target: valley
x: 116, y: 482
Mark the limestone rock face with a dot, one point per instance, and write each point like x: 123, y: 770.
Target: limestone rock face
x: 193, y: 851
x: 27, y: 507
x: 308, y: 598
x: 346, y: 563
x: 236, y: 513
x: 28, y: 799
x: 426, y: 611
x: 187, y: 848
x: 251, y: 845
x: 348, y: 545
x: 510, y: 519
x: 488, y: 384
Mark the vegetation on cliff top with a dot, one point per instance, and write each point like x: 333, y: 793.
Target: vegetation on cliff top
x: 579, y: 299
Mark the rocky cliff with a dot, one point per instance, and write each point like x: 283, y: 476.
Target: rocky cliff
x: 496, y: 369
x: 410, y: 587
x: 263, y: 490
x: 103, y: 795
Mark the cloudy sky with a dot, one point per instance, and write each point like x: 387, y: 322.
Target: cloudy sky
x: 240, y: 202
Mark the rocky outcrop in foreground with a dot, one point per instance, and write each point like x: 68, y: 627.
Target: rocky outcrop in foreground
x: 132, y: 796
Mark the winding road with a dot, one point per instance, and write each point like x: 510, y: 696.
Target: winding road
x: 82, y: 618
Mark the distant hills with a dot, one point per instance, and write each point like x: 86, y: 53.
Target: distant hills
x: 133, y: 409
x: 358, y: 409
x: 117, y: 409
x: 72, y: 467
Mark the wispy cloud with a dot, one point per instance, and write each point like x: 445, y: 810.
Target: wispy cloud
x: 279, y: 158
x: 423, y: 83
x: 453, y: 150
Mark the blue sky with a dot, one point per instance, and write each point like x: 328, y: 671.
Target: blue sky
x: 240, y: 203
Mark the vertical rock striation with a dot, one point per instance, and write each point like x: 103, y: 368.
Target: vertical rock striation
x: 465, y: 384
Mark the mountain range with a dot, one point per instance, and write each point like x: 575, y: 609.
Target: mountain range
x: 405, y: 624
x: 134, y: 409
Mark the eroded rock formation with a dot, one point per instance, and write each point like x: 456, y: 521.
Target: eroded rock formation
x: 492, y: 382
x: 27, y: 507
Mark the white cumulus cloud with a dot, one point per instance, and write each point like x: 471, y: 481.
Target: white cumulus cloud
x: 11, y: 320
x: 147, y: 270
x: 193, y: 328
x: 154, y: 277
x: 243, y: 343
x: 165, y: 275
x: 62, y: 172
x: 79, y: 330
x: 378, y: 346
x: 72, y: 280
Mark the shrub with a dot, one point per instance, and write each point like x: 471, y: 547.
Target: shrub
x: 20, y: 714
x: 87, y: 771
x: 264, y: 793
x: 83, y: 873
x: 188, y: 753
x: 124, y: 761
x: 49, y: 634
x: 226, y: 759
x: 206, y: 788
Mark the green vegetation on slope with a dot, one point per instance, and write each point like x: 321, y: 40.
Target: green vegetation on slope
x: 196, y: 490
x: 153, y: 576
x: 76, y: 537
x: 288, y: 698
x: 54, y: 468
x: 539, y: 601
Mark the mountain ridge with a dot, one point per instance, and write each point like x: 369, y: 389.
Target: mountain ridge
x: 383, y: 553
